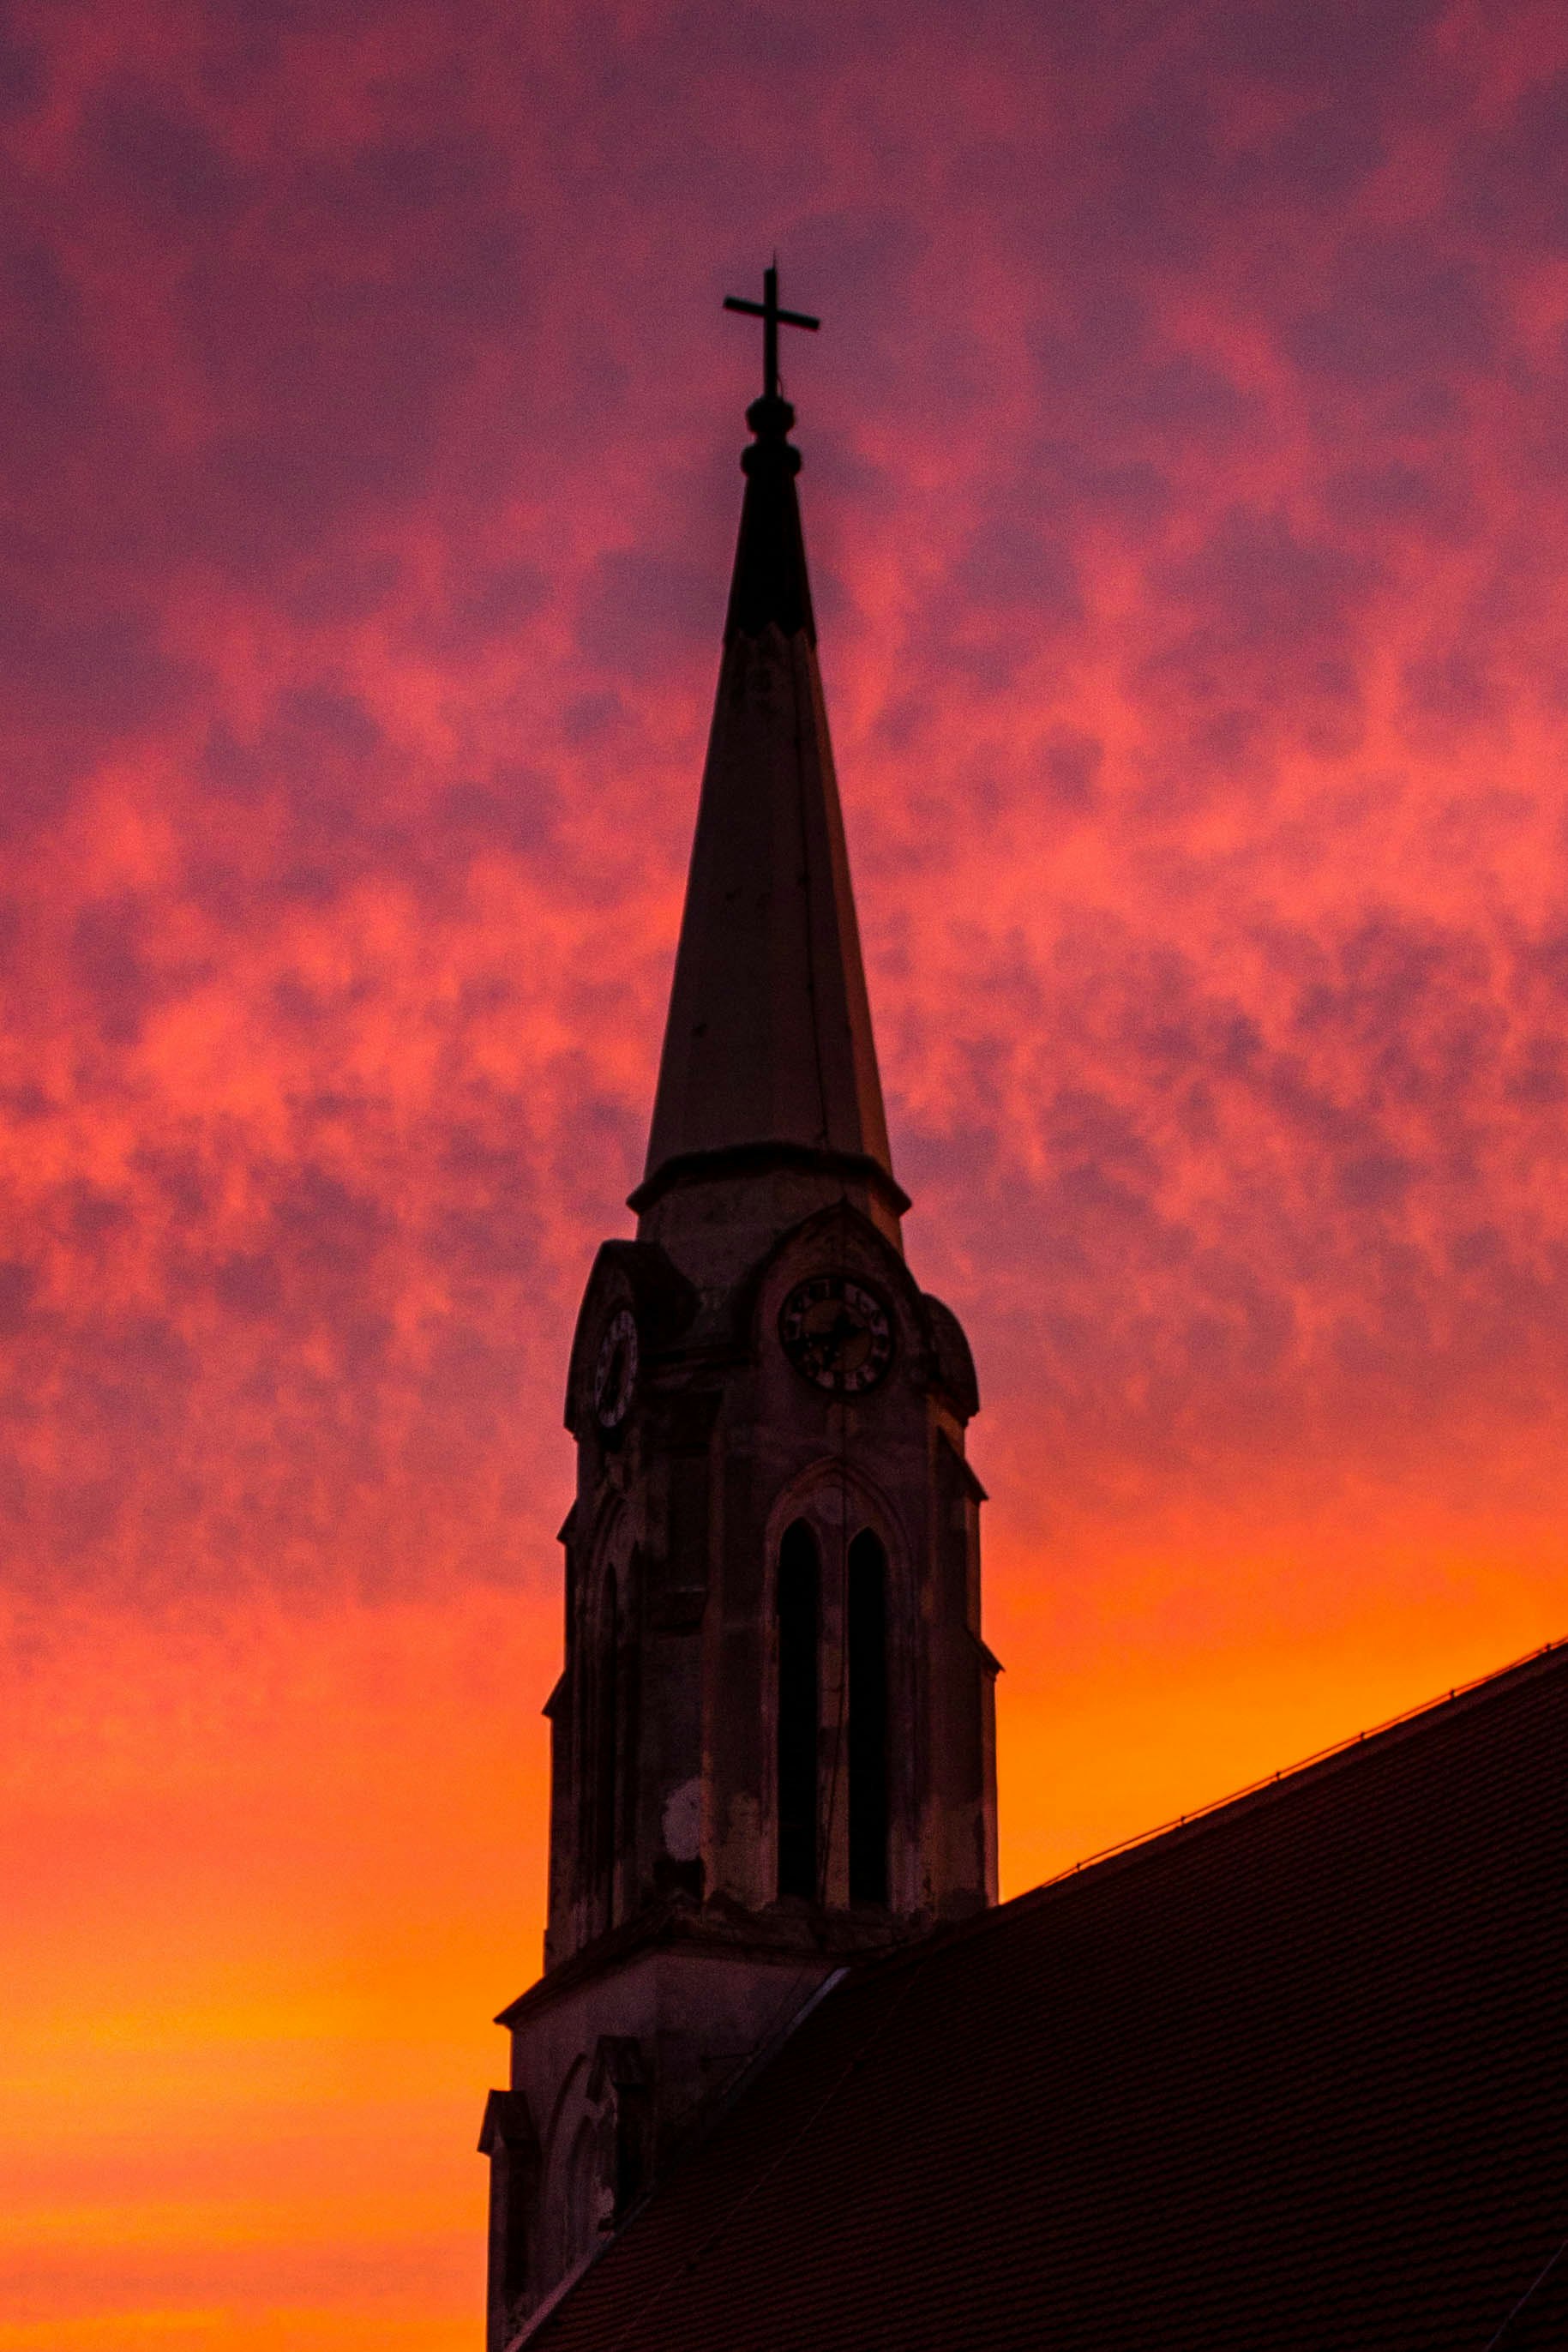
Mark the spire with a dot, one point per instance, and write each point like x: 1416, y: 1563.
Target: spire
x: 768, y: 1053
x: 770, y: 582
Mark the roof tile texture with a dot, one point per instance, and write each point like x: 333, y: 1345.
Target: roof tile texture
x: 1294, y: 2076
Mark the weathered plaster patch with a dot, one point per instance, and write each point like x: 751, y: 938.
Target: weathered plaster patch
x: 683, y: 1821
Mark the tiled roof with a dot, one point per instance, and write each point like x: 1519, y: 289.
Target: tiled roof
x: 1295, y: 2075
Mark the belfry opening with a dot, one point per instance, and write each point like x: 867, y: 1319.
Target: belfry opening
x: 799, y: 1711
x: 866, y: 1660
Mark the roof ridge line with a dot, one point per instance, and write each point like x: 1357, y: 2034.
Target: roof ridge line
x: 1288, y: 1775
x: 1288, y: 1771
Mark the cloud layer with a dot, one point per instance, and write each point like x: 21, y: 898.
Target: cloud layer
x: 1186, y: 491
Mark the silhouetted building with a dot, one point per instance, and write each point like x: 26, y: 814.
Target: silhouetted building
x: 1290, y: 2075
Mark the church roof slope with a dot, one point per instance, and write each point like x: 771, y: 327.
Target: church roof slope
x: 1291, y: 2076
x: 769, y: 1040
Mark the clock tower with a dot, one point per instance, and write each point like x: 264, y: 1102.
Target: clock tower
x: 772, y: 1741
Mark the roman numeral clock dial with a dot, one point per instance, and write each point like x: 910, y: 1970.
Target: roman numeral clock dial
x: 837, y: 1333
x: 615, y: 1373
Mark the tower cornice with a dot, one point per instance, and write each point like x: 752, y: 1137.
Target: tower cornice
x: 853, y: 1168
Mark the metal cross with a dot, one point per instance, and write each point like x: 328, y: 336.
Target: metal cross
x: 772, y: 318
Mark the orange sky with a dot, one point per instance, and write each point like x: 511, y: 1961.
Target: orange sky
x: 1185, y: 487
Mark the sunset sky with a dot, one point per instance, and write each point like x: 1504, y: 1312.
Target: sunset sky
x: 1186, y: 490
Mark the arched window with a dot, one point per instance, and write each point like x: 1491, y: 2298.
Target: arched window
x: 868, y: 1720
x: 798, y: 1606
x: 606, y: 1763
x: 587, y: 2197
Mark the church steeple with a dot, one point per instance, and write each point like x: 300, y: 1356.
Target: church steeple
x: 772, y: 1745
x: 768, y: 1053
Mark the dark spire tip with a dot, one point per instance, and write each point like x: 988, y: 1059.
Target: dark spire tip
x: 770, y: 419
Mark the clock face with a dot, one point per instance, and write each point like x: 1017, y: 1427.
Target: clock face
x: 837, y: 1333
x: 615, y: 1373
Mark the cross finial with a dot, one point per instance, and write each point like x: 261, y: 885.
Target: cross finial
x: 772, y: 319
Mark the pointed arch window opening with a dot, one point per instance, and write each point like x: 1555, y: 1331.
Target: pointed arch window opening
x: 840, y: 1679
x: 865, y: 1636
x: 609, y: 1768
x: 798, y: 1603
x: 860, y: 1774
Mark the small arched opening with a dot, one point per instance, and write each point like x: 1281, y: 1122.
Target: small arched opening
x: 798, y: 1607
x: 605, y: 1765
x: 867, y: 1728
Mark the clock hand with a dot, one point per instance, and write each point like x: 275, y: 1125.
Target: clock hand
x: 831, y: 1343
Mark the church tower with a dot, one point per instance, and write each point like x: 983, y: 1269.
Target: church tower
x: 772, y: 1744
